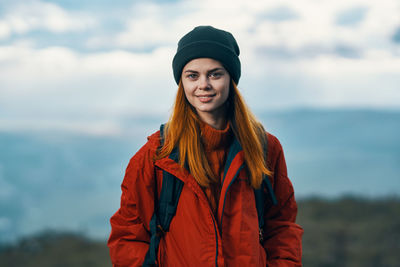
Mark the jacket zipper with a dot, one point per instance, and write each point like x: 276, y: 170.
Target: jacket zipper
x: 216, y: 239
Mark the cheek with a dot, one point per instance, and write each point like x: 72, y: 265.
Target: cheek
x: 225, y: 93
x: 187, y: 91
x: 188, y: 94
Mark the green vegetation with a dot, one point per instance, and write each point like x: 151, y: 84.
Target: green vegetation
x: 350, y: 232
x: 343, y: 232
x: 52, y: 249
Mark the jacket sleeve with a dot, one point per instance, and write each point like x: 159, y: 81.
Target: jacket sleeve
x: 282, y: 236
x: 129, y: 238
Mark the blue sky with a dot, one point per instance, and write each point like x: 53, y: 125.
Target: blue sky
x: 82, y: 65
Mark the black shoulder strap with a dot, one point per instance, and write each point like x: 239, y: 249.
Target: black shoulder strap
x: 164, y: 211
x: 260, y: 196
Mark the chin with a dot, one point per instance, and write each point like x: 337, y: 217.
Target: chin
x: 208, y: 109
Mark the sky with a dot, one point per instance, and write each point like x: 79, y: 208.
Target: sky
x: 104, y: 68
x: 84, y: 65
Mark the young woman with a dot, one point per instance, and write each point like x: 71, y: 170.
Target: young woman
x: 219, y: 154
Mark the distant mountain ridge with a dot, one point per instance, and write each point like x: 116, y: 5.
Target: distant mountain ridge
x: 57, y: 180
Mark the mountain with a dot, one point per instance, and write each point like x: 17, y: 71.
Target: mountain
x: 336, y: 152
x: 71, y: 181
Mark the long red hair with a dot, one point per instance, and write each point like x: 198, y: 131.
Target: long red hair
x: 183, y: 130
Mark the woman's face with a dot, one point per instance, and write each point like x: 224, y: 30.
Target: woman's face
x: 206, y: 85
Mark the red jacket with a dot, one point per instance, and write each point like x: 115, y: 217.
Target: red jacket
x: 196, y: 237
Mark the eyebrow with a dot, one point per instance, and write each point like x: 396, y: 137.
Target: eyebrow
x: 193, y: 71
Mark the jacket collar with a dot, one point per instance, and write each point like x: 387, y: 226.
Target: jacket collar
x: 233, y: 164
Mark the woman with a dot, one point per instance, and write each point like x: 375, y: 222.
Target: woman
x: 219, y: 153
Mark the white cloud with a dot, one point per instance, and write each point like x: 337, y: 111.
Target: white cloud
x: 35, y: 15
x: 148, y: 25
x: 4, y: 30
x: 57, y: 82
x: 311, y: 70
x: 312, y: 24
x: 56, y: 63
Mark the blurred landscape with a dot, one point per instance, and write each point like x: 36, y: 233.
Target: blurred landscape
x: 354, y: 232
x: 58, y: 189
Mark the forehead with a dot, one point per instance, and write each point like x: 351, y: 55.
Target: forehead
x: 200, y: 64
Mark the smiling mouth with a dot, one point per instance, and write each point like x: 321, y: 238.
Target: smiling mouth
x: 205, y: 98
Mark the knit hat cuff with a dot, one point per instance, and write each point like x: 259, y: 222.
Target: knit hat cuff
x: 209, y: 49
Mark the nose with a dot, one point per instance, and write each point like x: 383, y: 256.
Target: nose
x: 204, y: 82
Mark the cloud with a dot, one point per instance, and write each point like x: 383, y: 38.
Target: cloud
x: 147, y: 26
x: 347, y: 51
x: 396, y: 36
x: 308, y: 51
x: 24, y: 17
x: 5, y: 30
x: 295, y: 25
x: 60, y: 86
x: 293, y: 54
x: 278, y: 14
x: 351, y: 16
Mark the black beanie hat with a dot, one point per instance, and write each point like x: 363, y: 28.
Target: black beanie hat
x: 208, y: 42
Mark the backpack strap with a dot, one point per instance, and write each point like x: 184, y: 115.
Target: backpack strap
x: 168, y: 202
x: 260, y: 198
x: 165, y: 210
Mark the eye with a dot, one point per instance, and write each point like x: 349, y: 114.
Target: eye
x: 216, y: 74
x: 192, y: 76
